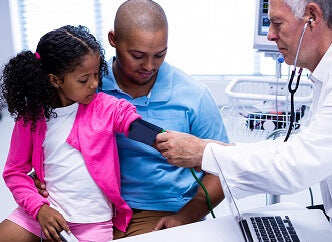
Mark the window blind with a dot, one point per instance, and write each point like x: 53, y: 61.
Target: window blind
x: 210, y: 37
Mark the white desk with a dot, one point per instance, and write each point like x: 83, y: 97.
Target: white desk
x: 226, y: 228
x: 212, y: 230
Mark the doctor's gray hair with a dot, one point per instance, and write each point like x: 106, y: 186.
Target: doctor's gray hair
x: 298, y: 8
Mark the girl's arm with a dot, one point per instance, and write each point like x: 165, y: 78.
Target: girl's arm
x: 22, y: 154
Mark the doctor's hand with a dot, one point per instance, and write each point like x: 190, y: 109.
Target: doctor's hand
x: 51, y: 222
x: 181, y: 149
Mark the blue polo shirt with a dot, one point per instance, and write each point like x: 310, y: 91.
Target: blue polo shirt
x: 175, y: 102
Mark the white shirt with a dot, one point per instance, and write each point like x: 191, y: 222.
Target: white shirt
x: 71, y: 189
x: 277, y: 167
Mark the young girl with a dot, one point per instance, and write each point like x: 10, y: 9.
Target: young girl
x: 66, y: 133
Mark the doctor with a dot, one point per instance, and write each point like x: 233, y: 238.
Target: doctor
x: 274, y: 166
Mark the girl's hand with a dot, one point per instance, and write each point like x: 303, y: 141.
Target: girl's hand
x: 51, y: 222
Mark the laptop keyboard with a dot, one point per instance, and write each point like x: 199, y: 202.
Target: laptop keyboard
x: 274, y: 229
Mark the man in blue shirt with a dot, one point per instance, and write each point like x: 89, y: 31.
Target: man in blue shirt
x: 160, y: 195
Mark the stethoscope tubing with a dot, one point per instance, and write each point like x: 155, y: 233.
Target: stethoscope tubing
x: 291, y: 90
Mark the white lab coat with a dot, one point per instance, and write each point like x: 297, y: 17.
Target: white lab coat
x: 277, y: 167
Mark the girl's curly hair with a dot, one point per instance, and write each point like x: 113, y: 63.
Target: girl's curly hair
x: 26, y: 88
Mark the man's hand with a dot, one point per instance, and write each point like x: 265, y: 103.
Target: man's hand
x: 170, y: 221
x: 51, y: 222
x: 181, y: 149
x: 41, y: 187
x: 196, y: 208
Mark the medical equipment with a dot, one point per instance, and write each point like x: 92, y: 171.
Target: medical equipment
x: 208, y: 200
x: 143, y: 131
x: 293, y: 90
x: 262, y: 23
x: 67, y: 237
x: 258, y: 108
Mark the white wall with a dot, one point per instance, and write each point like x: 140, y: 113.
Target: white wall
x: 7, y: 202
x: 6, y: 39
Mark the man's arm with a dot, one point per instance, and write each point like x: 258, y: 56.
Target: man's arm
x: 197, y: 207
x: 41, y: 187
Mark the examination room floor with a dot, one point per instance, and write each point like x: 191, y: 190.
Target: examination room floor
x: 8, y: 204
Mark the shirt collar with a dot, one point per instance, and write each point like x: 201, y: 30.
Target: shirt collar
x: 321, y: 72
x: 109, y: 82
x: 162, y: 88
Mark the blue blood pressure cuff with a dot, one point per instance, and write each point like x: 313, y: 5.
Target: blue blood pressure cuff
x: 144, y: 131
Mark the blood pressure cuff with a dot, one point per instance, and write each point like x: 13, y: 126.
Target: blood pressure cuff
x: 144, y: 131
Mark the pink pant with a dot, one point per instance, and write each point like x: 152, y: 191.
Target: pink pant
x: 102, y: 231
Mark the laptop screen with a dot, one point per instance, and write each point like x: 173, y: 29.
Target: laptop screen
x: 232, y: 204
x: 228, y: 194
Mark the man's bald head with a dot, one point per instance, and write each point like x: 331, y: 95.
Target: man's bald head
x: 142, y: 15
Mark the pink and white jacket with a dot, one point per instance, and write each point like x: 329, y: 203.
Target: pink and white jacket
x: 93, y: 134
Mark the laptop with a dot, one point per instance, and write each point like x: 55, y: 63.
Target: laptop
x: 276, y: 224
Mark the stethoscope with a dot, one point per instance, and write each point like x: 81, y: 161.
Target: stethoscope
x: 290, y: 83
